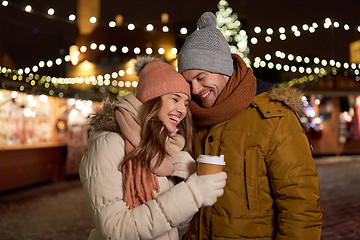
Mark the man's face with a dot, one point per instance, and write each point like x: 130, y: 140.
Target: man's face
x: 205, y: 86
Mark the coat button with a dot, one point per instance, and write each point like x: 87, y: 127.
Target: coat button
x: 268, y: 112
x: 279, y: 111
x: 210, y: 139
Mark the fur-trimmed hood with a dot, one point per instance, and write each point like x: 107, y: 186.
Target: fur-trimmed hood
x: 289, y: 96
x: 104, y: 119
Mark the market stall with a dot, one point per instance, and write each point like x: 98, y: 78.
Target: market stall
x: 41, y: 138
x: 332, y: 115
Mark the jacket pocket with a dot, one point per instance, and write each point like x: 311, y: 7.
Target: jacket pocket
x: 251, y: 178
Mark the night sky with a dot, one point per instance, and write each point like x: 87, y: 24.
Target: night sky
x: 28, y: 38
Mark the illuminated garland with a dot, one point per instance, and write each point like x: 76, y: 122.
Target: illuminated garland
x: 227, y: 22
x: 114, y: 75
x: 57, y: 86
x: 224, y: 11
x: 306, y: 60
x: 62, y: 83
x: 108, y: 79
x: 111, y: 80
x: 313, y: 73
x: 72, y: 19
x: 278, y: 66
x: 32, y: 80
x: 296, y: 31
x: 94, y: 46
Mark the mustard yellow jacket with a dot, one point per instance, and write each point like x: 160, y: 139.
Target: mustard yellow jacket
x: 272, y: 189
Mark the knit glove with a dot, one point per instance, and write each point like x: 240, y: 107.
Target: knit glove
x: 184, y: 165
x: 207, y: 188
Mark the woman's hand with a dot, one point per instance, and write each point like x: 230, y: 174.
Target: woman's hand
x: 207, y: 188
x: 184, y: 165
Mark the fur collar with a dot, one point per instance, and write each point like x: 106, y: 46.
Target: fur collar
x: 104, y: 119
x: 289, y: 96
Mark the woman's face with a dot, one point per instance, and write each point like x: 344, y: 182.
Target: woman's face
x: 173, y: 109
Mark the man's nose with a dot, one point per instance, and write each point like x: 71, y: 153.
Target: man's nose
x: 195, y: 87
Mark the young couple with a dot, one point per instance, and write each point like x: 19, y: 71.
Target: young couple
x: 139, y: 173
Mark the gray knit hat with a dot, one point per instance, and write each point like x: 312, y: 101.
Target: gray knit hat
x: 206, y: 48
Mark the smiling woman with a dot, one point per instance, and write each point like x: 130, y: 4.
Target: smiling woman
x: 138, y: 165
x: 173, y: 110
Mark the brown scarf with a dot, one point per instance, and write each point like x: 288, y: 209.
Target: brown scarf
x: 233, y: 99
x: 138, y: 184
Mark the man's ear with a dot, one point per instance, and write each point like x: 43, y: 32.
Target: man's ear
x: 226, y: 78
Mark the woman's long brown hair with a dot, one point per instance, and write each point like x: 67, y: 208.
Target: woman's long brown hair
x: 154, y: 135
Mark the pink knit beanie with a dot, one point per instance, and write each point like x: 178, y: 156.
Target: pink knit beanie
x: 157, y: 78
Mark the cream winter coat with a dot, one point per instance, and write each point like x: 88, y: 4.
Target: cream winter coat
x: 166, y: 217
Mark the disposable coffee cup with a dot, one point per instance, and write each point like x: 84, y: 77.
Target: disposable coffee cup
x: 210, y: 164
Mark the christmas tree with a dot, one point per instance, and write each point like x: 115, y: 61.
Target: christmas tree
x: 233, y: 30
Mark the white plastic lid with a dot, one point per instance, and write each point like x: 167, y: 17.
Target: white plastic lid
x: 217, y: 160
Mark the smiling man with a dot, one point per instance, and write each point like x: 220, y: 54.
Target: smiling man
x: 206, y: 86
x: 272, y: 189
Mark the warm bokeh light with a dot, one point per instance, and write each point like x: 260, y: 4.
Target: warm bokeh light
x: 183, y: 30
x: 51, y: 11
x: 165, y: 29
x: 72, y: 17
x: 257, y: 29
x: 74, y: 54
x: 93, y: 19
x: 164, y: 18
x: 131, y: 26
x: 137, y: 50
x: 112, y: 24
x: 149, y: 27
x: 119, y: 19
x: 124, y: 49
x: 161, y: 51
x: 93, y: 46
x: 28, y: 8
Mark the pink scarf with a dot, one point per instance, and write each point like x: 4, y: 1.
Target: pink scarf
x: 139, y: 185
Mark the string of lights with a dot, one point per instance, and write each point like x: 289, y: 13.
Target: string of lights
x: 93, y: 47
x: 53, y: 86
x: 227, y: 22
x: 121, y: 73
x: 72, y: 19
x: 297, y: 31
x: 62, y: 83
x: 112, y: 79
x: 30, y: 80
x: 312, y: 63
x: 314, y: 68
x: 313, y: 73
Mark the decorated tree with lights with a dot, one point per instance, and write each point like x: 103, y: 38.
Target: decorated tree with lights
x: 233, y: 30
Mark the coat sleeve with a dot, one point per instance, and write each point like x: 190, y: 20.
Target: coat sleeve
x: 102, y: 185
x: 294, y: 182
